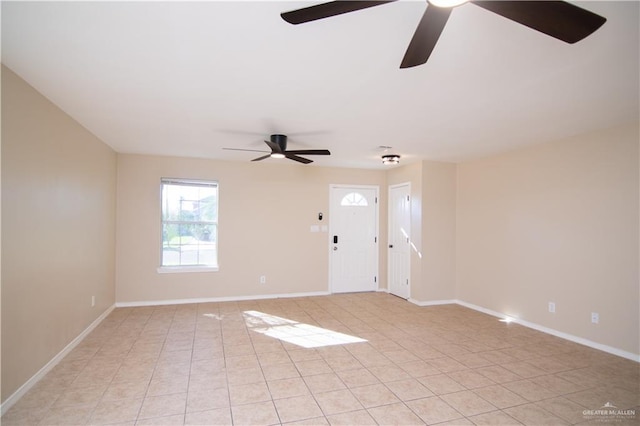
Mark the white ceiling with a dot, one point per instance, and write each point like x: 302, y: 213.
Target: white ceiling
x: 189, y: 78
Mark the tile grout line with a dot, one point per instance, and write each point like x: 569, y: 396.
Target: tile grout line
x: 146, y: 393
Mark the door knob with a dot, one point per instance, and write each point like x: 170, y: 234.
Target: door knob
x: 390, y: 245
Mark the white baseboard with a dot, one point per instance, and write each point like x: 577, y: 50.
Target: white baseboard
x: 561, y: 334
x: 433, y: 302
x: 218, y: 299
x: 534, y: 326
x: 8, y: 403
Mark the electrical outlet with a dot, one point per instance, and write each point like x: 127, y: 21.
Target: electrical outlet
x: 552, y: 307
x: 263, y: 279
x: 595, y: 317
x: 93, y: 301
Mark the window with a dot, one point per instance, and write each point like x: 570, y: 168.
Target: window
x: 189, y: 224
x: 354, y: 199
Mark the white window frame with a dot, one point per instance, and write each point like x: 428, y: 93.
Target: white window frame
x: 163, y: 269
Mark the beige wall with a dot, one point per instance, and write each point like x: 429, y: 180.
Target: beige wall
x: 58, y: 230
x: 555, y: 222
x: 265, y: 215
x: 438, y: 232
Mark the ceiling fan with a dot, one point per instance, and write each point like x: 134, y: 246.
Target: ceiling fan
x: 557, y: 19
x: 278, y: 145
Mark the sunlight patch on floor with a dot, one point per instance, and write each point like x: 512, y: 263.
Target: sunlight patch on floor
x: 305, y: 335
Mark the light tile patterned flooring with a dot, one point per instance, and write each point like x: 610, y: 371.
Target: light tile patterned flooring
x: 204, y: 364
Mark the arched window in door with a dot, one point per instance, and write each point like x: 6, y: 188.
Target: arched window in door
x: 354, y: 199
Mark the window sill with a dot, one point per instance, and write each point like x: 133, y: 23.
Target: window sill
x: 185, y: 269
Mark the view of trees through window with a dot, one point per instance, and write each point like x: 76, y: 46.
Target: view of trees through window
x: 189, y: 223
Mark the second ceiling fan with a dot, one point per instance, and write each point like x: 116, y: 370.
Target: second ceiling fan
x: 557, y: 19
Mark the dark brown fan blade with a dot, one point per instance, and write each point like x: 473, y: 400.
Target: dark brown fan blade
x: 426, y: 36
x: 309, y: 152
x: 557, y: 19
x: 241, y: 149
x: 274, y: 146
x: 298, y: 159
x: 262, y: 158
x: 326, y: 10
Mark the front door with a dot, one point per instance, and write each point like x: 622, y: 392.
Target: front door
x: 353, y: 238
x: 399, y: 239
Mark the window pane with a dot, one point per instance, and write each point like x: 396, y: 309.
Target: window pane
x: 354, y: 199
x: 189, y: 223
x: 189, y: 245
x: 208, y: 208
x: 189, y: 203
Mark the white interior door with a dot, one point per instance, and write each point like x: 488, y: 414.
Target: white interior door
x: 353, y: 238
x: 399, y: 239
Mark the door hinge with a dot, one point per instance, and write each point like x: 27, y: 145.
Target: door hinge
x: 376, y: 200
x: 375, y: 239
x: 375, y: 279
x: 408, y: 198
x: 407, y: 281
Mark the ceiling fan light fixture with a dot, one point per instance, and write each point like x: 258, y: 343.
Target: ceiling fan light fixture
x: 277, y: 155
x: 447, y: 3
x: 391, y: 159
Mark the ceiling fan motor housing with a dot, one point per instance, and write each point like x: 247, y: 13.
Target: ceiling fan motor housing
x: 281, y: 140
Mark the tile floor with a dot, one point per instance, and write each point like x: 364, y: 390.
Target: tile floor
x: 223, y: 363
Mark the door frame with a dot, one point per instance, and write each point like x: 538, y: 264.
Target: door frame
x: 389, y: 225
x: 329, y: 237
